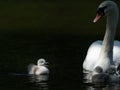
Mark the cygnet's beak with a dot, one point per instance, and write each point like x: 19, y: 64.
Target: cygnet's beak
x: 46, y: 64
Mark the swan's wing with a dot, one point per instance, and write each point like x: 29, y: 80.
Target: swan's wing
x: 31, y: 68
x: 92, y: 55
x: 116, y: 52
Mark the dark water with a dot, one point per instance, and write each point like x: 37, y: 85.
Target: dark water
x: 65, y: 54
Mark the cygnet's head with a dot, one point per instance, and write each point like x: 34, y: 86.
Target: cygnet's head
x: 98, y: 69
x: 111, y: 70
x: 99, y: 77
x: 41, y: 62
x: 118, y: 68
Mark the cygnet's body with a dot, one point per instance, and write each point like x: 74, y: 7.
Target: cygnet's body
x: 113, y: 78
x: 99, y: 76
x: 105, y: 78
x: 38, y: 69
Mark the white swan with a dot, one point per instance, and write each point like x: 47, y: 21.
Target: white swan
x: 38, y: 69
x: 107, y: 52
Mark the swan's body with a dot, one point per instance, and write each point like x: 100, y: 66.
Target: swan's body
x: 38, y: 69
x: 107, y: 52
x: 94, y: 52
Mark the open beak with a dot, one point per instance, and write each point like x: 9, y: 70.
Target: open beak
x: 97, y: 18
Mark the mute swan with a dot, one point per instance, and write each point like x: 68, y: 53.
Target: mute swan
x: 107, y: 52
x: 38, y: 69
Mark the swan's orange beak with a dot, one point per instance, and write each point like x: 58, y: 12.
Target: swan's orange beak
x: 97, y: 18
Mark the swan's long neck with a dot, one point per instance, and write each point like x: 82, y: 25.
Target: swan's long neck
x: 108, y: 41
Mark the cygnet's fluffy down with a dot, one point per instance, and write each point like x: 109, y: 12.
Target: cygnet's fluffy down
x: 38, y: 69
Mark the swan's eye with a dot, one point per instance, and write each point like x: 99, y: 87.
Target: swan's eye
x: 100, y: 11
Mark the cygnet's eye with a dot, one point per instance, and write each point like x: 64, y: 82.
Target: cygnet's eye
x: 42, y: 62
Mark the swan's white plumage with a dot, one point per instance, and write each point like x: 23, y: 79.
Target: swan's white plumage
x: 94, y: 51
x: 38, y: 69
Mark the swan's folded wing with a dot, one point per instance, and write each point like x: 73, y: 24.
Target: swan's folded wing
x: 92, y: 55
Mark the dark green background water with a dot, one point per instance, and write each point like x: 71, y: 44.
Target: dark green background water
x: 59, y: 31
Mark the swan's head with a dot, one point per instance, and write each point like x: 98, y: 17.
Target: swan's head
x: 105, y: 8
x: 41, y: 62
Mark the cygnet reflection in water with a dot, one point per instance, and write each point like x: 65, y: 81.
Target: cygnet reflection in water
x: 39, y: 82
x: 38, y: 78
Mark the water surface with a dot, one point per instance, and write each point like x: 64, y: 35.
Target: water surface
x: 65, y: 54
